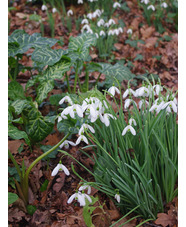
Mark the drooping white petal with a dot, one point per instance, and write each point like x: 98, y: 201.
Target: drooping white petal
x: 64, y: 168
x: 55, y: 170
x: 129, y: 128
x: 72, y: 197
x: 81, y: 199
x: 117, y: 197
x: 88, y: 197
x: 132, y: 121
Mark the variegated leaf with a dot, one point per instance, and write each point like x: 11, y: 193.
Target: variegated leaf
x: 79, y: 46
x: 47, y: 56
x: 19, y: 42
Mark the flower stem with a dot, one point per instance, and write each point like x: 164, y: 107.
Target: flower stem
x: 68, y: 84
x: 25, y: 183
x: 76, y: 77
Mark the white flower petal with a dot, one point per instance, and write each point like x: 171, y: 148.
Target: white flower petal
x: 72, y: 198
x: 55, y: 170
x: 65, y: 170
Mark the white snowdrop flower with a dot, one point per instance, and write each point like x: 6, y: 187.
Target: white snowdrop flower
x: 159, y: 106
x: 158, y: 88
x: 80, y: 2
x: 79, y: 197
x: 66, y: 144
x: 70, y: 12
x: 141, y: 103
x: 110, y: 32
x: 84, y: 187
x: 54, y: 10
x: 71, y: 110
x: 129, y: 128
x: 153, y: 107
x: 81, y: 138
x: 111, y: 21
x: 102, y: 33
x: 84, y: 21
x: 105, y: 118
x: 105, y: 104
x: 90, y: 31
x: 164, y: 5
x: 142, y: 91
x: 116, y: 31
x: 117, y: 197
x: 60, y: 167
x: 100, y: 22
x: 129, y: 31
x: 90, y: 16
x: 66, y: 99
x: 128, y: 102
x: 116, y: 4
x: 97, y: 36
x: 145, y: 1
x: 86, y: 26
x: 120, y: 29
x: 85, y: 126
x: 106, y: 25
x: 90, y: 0
x: 59, y: 119
x: 97, y: 13
x: 132, y: 121
x: 151, y: 7
x: 43, y: 7
x: 112, y: 90
x: 171, y: 104
x: 172, y: 98
x: 129, y: 91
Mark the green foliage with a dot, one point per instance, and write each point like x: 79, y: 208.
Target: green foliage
x: 20, y: 42
x: 16, y: 134
x: 15, y: 91
x: 12, y: 197
x: 31, y: 209
x: 79, y: 46
x: 44, y: 186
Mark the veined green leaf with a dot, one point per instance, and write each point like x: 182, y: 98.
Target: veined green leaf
x: 67, y: 126
x: 38, y: 127
x: 16, y: 134
x: 79, y: 46
x: 19, y: 105
x: 20, y: 42
x: 115, y: 72
x: 47, y: 56
x: 15, y: 91
x: 43, y: 89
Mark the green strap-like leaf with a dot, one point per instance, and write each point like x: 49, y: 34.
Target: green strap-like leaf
x: 19, y: 42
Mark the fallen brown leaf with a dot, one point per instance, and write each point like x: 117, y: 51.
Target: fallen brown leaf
x: 165, y: 220
x: 146, y: 32
x: 13, y: 146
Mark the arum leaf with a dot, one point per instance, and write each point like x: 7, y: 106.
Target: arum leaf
x: 79, y: 46
x: 67, y: 126
x: 19, y: 42
x: 16, y: 134
x: 115, y: 72
x: 19, y: 105
x: 12, y: 197
x: 47, y: 56
x: 15, y: 91
x: 46, y: 82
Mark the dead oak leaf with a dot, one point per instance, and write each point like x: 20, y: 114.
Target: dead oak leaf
x: 165, y: 220
x: 147, y: 32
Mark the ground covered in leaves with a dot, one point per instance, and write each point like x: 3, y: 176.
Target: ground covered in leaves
x: 158, y: 54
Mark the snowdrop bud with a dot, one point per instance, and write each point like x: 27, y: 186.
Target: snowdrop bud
x: 102, y: 33
x: 81, y: 138
x: 106, y: 25
x: 164, y: 5
x: 54, y: 10
x: 84, y: 21
x: 117, y: 197
x: 43, y: 7
x: 116, y: 4
x: 70, y: 12
x: 129, y: 31
x: 151, y: 7
x: 116, y: 31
